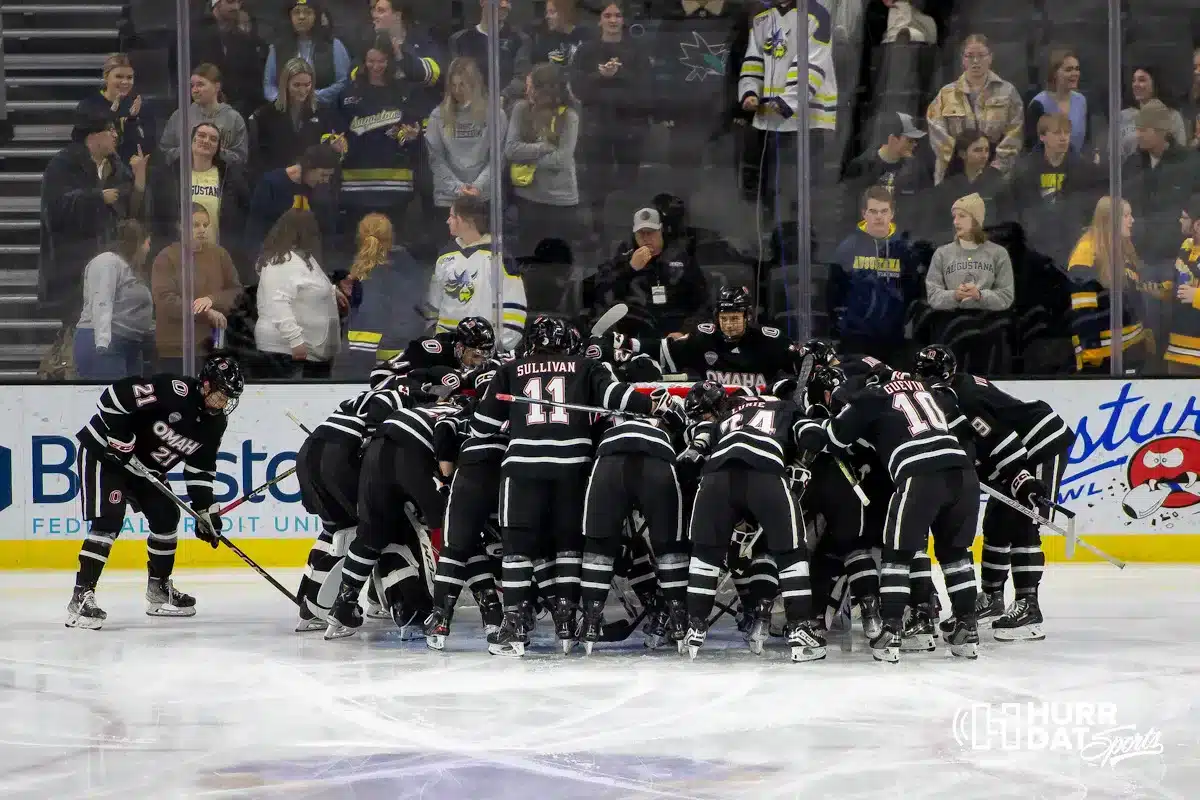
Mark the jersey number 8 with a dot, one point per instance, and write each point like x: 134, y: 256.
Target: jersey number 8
x: 922, y: 414
x: 557, y: 389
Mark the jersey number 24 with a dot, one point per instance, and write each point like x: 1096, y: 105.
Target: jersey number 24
x: 922, y: 412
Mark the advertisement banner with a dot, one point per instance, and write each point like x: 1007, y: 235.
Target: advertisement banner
x: 1133, y: 478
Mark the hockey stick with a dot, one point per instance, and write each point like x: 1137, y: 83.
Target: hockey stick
x: 426, y: 544
x: 248, y: 496
x: 609, y: 318
x: 508, y: 398
x: 142, y: 472
x: 296, y: 420
x: 849, y: 476
x: 1068, y: 532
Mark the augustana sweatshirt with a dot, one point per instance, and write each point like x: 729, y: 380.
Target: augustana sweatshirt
x: 459, y: 154
x: 986, y: 265
x: 116, y: 302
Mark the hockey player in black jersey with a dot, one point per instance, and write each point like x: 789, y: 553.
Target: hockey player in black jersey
x: 470, y: 344
x: 327, y: 469
x: 936, y: 489
x: 731, y: 350
x: 635, y: 469
x: 544, y: 472
x: 748, y: 475
x: 160, y: 422
x: 1014, y: 431
x: 398, y: 469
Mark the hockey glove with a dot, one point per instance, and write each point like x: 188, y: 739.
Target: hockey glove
x: 1028, y: 490
x: 208, y: 526
x: 670, y: 411
x: 119, y: 452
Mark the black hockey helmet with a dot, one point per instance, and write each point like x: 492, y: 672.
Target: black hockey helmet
x: 705, y: 397
x: 822, y: 352
x: 577, y: 343
x: 733, y: 300
x: 825, y: 380
x: 474, y: 333
x: 936, y: 362
x: 222, y: 373
x: 547, y: 334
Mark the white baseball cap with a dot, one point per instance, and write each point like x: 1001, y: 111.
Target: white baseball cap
x: 647, y: 219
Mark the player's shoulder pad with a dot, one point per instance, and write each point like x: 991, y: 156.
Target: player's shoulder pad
x: 769, y: 332
x: 706, y: 328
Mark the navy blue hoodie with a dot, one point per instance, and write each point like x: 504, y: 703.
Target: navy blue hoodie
x: 871, y: 283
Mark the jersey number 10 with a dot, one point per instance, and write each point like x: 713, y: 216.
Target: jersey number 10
x: 922, y: 412
x: 556, y: 388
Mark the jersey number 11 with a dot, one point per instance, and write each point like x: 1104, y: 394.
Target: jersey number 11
x: 556, y: 388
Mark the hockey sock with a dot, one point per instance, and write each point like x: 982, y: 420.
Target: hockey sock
x: 893, y: 584
x: 863, y: 574
x: 567, y: 567
x: 160, y: 554
x: 920, y: 579
x: 704, y: 574
x: 400, y: 578
x: 1027, y: 566
x: 960, y: 582
x: 765, y: 578
x: 451, y: 577
x: 794, y: 585
x: 597, y: 576
x: 356, y: 570
x: 673, y: 576
x: 824, y: 571
x: 93, y: 556
x: 517, y: 581
x: 320, y: 561
x: 543, y: 575
x: 642, y: 578
x: 994, y: 569
x: 480, y: 579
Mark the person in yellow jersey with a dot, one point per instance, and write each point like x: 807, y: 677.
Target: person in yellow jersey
x: 1183, y: 345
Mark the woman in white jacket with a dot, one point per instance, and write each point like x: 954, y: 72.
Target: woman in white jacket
x: 297, y: 331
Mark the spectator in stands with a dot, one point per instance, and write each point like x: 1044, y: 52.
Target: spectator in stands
x: 1092, y: 278
x: 1144, y: 87
x: 215, y: 286
x: 978, y: 100
x: 293, y: 187
x: 1192, y: 123
x: 559, y: 35
x: 86, y: 191
x: 291, y: 123
x: 117, y: 97
x: 872, y: 281
x: 208, y: 105
x: 1183, y: 347
x: 1061, y: 96
x: 1054, y: 188
x: 297, y: 332
x: 971, y: 170
x: 385, y: 311
x: 306, y: 39
x: 896, y: 166
x: 219, y: 40
x: 610, y: 76
x: 970, y: 272
x: 513, y: 45
x: 219, y: 187
x: 457, y: 138
x: 658, y: 279
x: 462, y: 281
x: 382, y: 119
x: 415, y: 55
x: 540, y: 144
x: 117, y: 320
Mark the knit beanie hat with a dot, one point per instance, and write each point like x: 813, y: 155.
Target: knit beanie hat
x: 973, y: 206
x: 1153, y: 114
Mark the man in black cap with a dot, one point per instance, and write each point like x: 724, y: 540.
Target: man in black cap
x: 86, y: 191
x: 895, y: 164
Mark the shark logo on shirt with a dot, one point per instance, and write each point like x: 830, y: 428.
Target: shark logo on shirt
x: 703, y: 59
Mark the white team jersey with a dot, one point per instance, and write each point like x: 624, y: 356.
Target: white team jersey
x: 769, y: 69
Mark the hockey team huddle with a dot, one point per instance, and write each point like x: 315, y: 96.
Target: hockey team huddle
x: 544, y: 480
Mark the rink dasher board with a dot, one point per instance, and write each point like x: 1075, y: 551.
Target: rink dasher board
x: 1129, y: 436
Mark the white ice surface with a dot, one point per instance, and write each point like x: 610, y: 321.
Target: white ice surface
x: 232, y: 703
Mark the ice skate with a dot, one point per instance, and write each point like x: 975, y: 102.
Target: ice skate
x: 375, y: 609
x: 677, y: 623
x: 918, y: 635
x: 409, y: 622
x: 346, y: 617
x: 592, y: 625
x: 511, y: 639
x: 164, y: 600
x: 1021, y: 622
x: 308, y: 621
x: 490, y: 611
x: 964, y: 640
x: 437, y: 626
x: 806, y: 643
x: 656, y: 629
x: 82, y: 611
x: 696, y: 634
x: 988, y: 606
x: 566, y: 628
x: 872, y: 622
x: 886, y: 646
x: 760, y: 629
